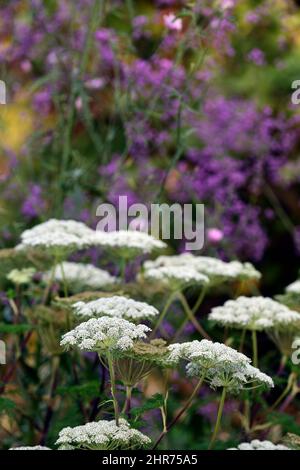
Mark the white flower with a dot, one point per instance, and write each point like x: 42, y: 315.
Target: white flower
x: 174, y: 278
x: 81, y: 276
x: 128, y: 243
x: 173, y: 23
x: 21, y: 276
x: 30, y: 448
x: 116, y: 306
x: 103, y: 435
x: 255, y: 313
x: 217, y: 270
x: 55, y: 235
x: 221, y: 365
x: 259, y: 445
x: 105, y: 334
x: 294, y: 288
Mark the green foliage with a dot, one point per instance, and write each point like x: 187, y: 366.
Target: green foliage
x: 156, y: 401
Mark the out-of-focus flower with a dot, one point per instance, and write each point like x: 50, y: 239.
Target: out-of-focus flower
x: 61, y: 237
x: 175, y: 279
x: 294, y: 287
x: 255, y: 313
x: 127, y: 243
x: 116, y: 306
x: 215, y: 235
x: 80, y: 276
x: 21, y: 276
x: 30, y: 448
x: 173, y: 23
x: 257, y: 56
x: 259, y: 445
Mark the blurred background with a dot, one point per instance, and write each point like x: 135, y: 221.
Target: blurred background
x: 162, y: 101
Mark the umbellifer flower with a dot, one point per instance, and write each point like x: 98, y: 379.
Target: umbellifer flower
x: 116, y: 306
x: 60, y: 237
x: 174, y: 278
x: 293, y: 288
x: 128, y: 243
x: 255, y: 313
x: 103, y: 435
x: 21, y: 276
x: 105, y: 334
x: 220, y: 365
x: 139, y: 361
x: 259, y: 445
x: 216, y: 270
x: 80, y: 276
x: 30, y: 448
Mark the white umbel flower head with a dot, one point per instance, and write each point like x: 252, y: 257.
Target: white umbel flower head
x: 216, y: 269
x: 103, y: 435
x: 80, y: 276
x: 21, y: 276
x: 293, y: 288
x: 116, y: 306
x: 128, y: 243
x: 259, y: 445
x: 57, y: 236
x: 105, y: 335
x: 255, y: 313
x: 220, y: 365
x: 30, y: 448
x: 174, y: 278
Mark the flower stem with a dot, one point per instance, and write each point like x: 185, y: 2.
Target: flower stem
x: 127, y: 405
x: 191, y: 316
x: 219, y: 417
x: 65, y: 284
x: 180, y: 413
x: 113, y: 387
x: 254, y: 348
x: 163, y: 313
x: 242, y: 340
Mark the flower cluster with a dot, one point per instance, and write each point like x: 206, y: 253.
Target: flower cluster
x: 215, y: 269
x: 116, y: 306
x: 128, y: 243
x: 57, y: 236
x: 294, y: 287
x: 81, y: 276
x: 21, y: 276
x: 174, y: 278
x: 30, y: 448
x: 105, y: 334
x: 259, y: 445
x: 219, y: 365
x: 255, y: 313
x: 102, y: 435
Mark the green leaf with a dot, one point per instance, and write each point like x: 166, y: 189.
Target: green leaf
x: 7, y: 406
x: 154, y: 402
x: 87, y: 391
x: 17, y: 329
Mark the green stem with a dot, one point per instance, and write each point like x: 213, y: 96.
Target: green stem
x: 242, y: 340
x: 65, y: 284
x: 254, y: 348
x: 113, y: 387
x: 180, y: 413
x: 49, y: 283
x: 127, y: 407
x: 123, y: 270
x: 219, y: 417
x: 163, y: 313
x: 191, y: 316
